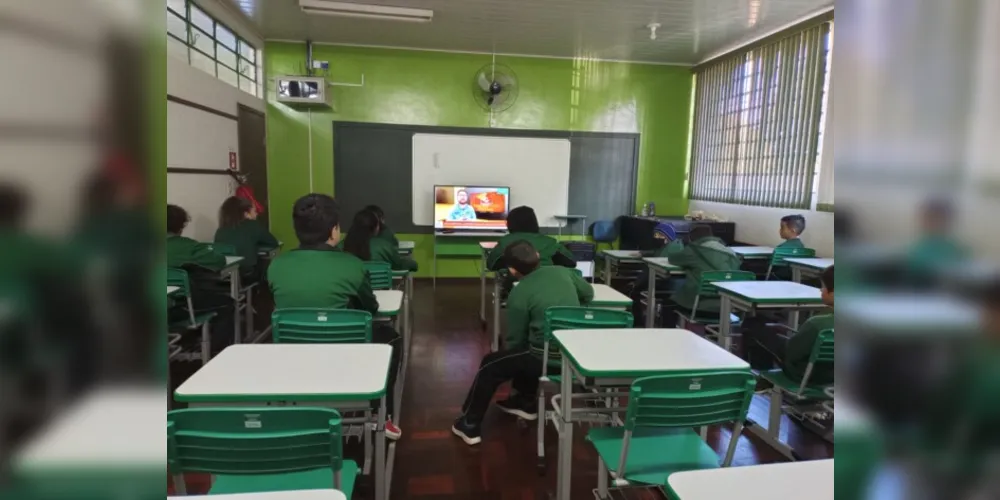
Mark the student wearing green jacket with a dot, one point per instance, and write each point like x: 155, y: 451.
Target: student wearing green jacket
x: 208, y: 291
x: 703, y: 253
x: 384, y: 232
x: 363, y: 242
x: 520, y: 360
x: 317, y: 274
x: 238, y: 227
x: 766, y: 347
x: 522, y: 225
x: 936, y: 248
x: 790, y: 230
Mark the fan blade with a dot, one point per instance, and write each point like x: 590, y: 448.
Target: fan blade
x: 505, y: 79
x: 484, y: 83
x: 498, y: 99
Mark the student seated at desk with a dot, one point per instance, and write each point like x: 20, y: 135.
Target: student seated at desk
x: 317, y: 274
x: 790, y: 230
x: 363, y: 242
x: 208, y: 291
x: 238, y: 227
x: 765, y: 347
x: 936, y: 247
x: 384, y: 232
x: 522, y: 225
x: 520, y: 360
x: 704, y: 253
x: 662, y: 234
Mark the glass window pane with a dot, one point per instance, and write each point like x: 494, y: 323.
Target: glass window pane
x: 176, y: 26
x: 177, y: 48
x: 178, y: 7
x: 202, y: 20
x: 202, y: 42
x: 225, y: 56
x: 227, y: 75
x: 225, y: 37
x: 202, y: 62
x: 247, y: 51
x: 248, y: 70
x: 248, y: 86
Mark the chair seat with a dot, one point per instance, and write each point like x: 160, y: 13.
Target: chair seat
x: 653, y: 453
x: 779, y: 379
x: 309, y: 480
x: 199, y: 319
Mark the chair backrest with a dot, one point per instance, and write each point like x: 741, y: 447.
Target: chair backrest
x: 379, y: 275
x: 321, y: 326
x: 249, y: 441
x: 822, y: 356
x: 224, y: 248
x: 690, y: 400
x: 604, y: 231
x: 580, y: 318
x: 179, y: 278
x: 706, y: 289
x: 583, y: 251
x: 780, y: 254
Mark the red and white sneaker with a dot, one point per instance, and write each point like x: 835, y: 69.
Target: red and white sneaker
x: 391, y: 431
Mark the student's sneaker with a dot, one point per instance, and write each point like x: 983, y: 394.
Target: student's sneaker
x: 521, y: 406
x: 391, y: 431
x: 471, y: 434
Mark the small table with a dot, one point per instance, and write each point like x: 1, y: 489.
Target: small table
x: 273, y: 495
x: 484, y: 247
x: 586, y: 268
x: 751, y: 253
x: 615, y: 358
x: 659, y: 267
x: 567, y: 220
x: 269, y: 252
x: 172, y: 290
x: 606, y: 297
x: 343, y: 376
x: 616, y: 258
x: 406, y: 247
x: 807, y: 266
x: 771, y: 295
x: 784, y: 481
x: 231, y: 272
x: 390, y: 302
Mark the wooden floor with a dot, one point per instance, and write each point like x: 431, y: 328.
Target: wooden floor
x: 432, y: 464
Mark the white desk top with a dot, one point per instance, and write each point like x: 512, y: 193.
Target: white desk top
x: 587, y: 268
x: 812, y: 263
x: 487, y: 245
x: 389, y: 301
x: 911, y: 313
x: 172, y: 289
x: 232, y: 260
x: 273, y: 495
x: 784, y: 481
x: 662, y: 263
x: 110, y: 428
x: 752, y: 251
x: 643, y: 351
x: 407, y: 245
x: 770, y: 291
x: 302, y: 372
x: 605, y: 295
x: 623, y: 254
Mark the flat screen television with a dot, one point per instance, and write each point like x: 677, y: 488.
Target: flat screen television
x: 471, y: 208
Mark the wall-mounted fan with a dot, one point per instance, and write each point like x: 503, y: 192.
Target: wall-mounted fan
x: 495, y: 87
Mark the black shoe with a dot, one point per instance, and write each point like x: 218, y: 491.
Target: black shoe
x: 471, y: 434
x: 521, y: 406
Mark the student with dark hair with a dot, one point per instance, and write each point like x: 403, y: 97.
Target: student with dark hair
x: 936, y: 247
x: 363, y: 242
x: 766, y: 347
x: 238, y: 227
x: 208, y: 291
x: 317, y: 274
x: 520, y: 360
x: 384, y: 231
x: 703, y: 253
x: 790, y: 229
x: 522, y: 225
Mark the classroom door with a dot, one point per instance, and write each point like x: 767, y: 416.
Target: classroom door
x: 253, y: 154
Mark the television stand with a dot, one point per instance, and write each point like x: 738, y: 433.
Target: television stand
x: 459, y: 244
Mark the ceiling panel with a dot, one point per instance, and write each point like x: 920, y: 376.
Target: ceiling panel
x: 605, y: 29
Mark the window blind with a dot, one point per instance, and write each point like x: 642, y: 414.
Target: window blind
x: 756, y: 123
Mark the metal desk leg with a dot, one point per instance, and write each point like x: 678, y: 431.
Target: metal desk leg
x: 607, y: 270
x: 380, y: 480
x: 796, y: 274
x: 234, y: 292
x: 495, y: 345
x: 482, y: 288
x: 793, y: 319
x: 725, y: 325
x: 650, y: 296
x: 565, y: 465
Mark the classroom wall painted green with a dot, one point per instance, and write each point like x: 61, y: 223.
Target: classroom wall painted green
x: 434, y: 88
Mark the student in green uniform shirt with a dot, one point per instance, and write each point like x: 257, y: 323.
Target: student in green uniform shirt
x: 238, y: 227
x: 520, y: 360
x: 384, y: 232
x: 317, y: 274
x: 363, y: 242
x: 765, y: 347
x: 936, y: 248
x: 703, y: 253
x: 208, y: 291
x: 522, y: 225
x: 790, y: 230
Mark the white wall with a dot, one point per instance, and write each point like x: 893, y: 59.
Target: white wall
x: 759, y: 225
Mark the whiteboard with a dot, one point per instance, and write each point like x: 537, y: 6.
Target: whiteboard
x: 535, y: 170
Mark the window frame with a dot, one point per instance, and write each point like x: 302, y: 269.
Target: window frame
x: 191, y: 30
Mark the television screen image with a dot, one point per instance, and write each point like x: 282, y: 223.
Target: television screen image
x: 471, y: 208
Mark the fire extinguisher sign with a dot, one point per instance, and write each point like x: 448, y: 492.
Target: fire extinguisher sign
x: 232, y: 161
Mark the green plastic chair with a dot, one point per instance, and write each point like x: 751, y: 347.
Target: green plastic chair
x: 379, y: 275
x: 568, y: 318
x: 780, y: 254
x: 707, y: 290
x: 310, y: 325
x: 658, y: 438
x: 179, y: 278
x: 252, y: 450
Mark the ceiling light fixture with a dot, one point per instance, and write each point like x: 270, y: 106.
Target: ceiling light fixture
x: 384, y: 12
